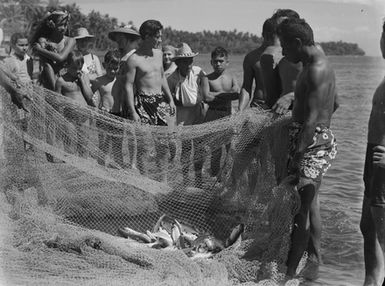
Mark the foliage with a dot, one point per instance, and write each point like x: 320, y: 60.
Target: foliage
x: 204, y: 42
x: 24, y: 15
x: 341, y: 48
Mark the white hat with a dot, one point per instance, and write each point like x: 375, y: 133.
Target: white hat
x: 128, y: 29
x: 81, y: 33
x: 184, y: 51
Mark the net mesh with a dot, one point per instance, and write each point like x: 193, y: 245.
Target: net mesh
x: 71, y: 176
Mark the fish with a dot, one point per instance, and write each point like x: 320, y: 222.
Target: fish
x: 158, y: 223
x: 128, y: 232
x: 207, y: 243
x: 235, y: 234
x: 151, y: 235
x: 164, y: 238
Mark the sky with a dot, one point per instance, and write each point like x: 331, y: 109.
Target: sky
x: 353, y: 21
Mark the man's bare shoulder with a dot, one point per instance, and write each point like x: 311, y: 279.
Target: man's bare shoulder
x: 320, y: 70
x: 134, y: 58
x: 60, y: 80
x: 254, y: 55
x: 228, y: 75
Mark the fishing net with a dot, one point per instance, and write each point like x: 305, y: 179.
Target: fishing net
x: 72, y: 176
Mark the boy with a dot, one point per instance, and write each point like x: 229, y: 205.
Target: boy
x: 75, y: 85
x: 20, y: 69
x: 312, y: 143
x: 103, y: 84
x: 373, y: 208
x: 223, y: 88
x: 19, y: 64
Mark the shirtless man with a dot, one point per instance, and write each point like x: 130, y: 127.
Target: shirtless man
x: 269, y: 63
x: 312, y: 144
x: 75, y: 84
x: 223, y: 88
x: 373, y: 208
x: 145, y: 71
x: 252, y: 73
x: 127, y: 38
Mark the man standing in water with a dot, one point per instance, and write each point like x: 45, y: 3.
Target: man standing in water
x: 373, y: 209
x: 312, y: 144
x: 145, y: 71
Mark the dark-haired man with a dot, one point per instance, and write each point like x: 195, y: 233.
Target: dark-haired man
x: 312, y: 143
x: 153, y: 98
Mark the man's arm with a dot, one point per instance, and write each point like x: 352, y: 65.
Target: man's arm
x: 223, y: 96
x: 167, y: 93
x: 336, y: 101
x: 247, y: 85
x: 85, y: 86
x: 379, y: 156
x: 17, y: 96
x: 58, y: 85
x: 58, y: 57
x: 128, y: 91
x: 314, y: 100
x: 283, y: 103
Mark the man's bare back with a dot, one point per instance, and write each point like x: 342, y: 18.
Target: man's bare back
x: 315, y: 87
x: 288, y: 73
x: 252, y: 72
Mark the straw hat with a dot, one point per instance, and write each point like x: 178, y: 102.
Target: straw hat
x: 184, y: 51
x: 81, y: 33
x: 128, y: 29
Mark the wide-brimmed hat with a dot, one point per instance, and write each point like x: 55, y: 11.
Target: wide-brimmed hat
x: 128, y: 29
x: 82, y: 33
x: 184, y: 51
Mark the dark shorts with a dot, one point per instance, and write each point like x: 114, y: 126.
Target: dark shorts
x: 318, y: 156
x: 152, y: 109
x: 374, y: 180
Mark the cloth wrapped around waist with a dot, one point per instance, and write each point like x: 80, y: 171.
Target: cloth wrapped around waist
x: 318, y: 155
x: 152, y: 108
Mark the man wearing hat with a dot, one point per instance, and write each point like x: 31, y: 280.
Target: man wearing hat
x: 91, y: 65
x: 187, y: 84
x: 127, y: 39
x: 154, y: 102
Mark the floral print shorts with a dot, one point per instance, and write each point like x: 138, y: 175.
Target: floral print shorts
x: 317, y: 158
x: 152, y: 109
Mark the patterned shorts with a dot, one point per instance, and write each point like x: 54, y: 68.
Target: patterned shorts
x: 317, y: 157
x: 152, y: 109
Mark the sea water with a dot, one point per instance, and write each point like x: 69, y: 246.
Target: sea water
x: 341, y: 192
